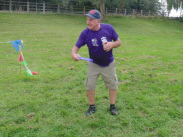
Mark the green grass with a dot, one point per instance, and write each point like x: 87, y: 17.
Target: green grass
x: 149, y: 66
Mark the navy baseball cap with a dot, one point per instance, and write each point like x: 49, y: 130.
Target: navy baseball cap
x: 94, y: 14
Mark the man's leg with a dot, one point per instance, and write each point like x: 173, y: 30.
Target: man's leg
x: 91, y: 96
x: 111, y: 81
x: 91, y: 99
x: 113, y: 95
x: 90, y: 84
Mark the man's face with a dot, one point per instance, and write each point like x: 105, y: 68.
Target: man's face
x: 93, y: 24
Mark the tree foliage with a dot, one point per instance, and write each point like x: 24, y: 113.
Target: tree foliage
x: 145, y: 5
x: 176, y: 4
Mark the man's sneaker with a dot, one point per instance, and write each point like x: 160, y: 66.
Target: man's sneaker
x: 91, y: 110
x: 114, y: 110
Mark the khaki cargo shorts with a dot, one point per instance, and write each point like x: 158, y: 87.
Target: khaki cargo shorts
x: 108, y: 74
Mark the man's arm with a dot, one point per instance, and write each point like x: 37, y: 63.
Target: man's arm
x: 74, y: 53
x: 116, y: 43
x: 111, y: 45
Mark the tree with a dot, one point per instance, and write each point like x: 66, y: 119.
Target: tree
x: 146, y: 5
x: 47, y: 1
x: 102, y: 9
x: 176, y: 4
x: 99, y: 4
x: 111, y: 4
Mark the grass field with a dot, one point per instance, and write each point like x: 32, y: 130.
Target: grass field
x: 52, y: 104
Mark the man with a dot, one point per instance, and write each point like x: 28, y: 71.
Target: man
x: 101, y: 39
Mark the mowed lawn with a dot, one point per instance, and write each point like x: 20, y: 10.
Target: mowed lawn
x: 53, y: 104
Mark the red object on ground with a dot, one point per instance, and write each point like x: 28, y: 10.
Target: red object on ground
x: 34, y: 73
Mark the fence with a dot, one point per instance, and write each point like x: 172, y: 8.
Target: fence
x: 28, y: 7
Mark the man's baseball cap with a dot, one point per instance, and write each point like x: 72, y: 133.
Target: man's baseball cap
x: 94, y: 14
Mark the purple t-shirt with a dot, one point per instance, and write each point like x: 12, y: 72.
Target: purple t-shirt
x: 93, y: 39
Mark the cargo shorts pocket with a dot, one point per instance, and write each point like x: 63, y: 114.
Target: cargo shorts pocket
x: 112, y: 83
x: 90, y: 83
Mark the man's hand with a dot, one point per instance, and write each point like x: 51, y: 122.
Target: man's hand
x: 108, y: 46
x: 74, y: 54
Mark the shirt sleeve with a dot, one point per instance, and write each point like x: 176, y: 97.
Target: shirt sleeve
x: 81, y: 40
x: 114, y: 34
